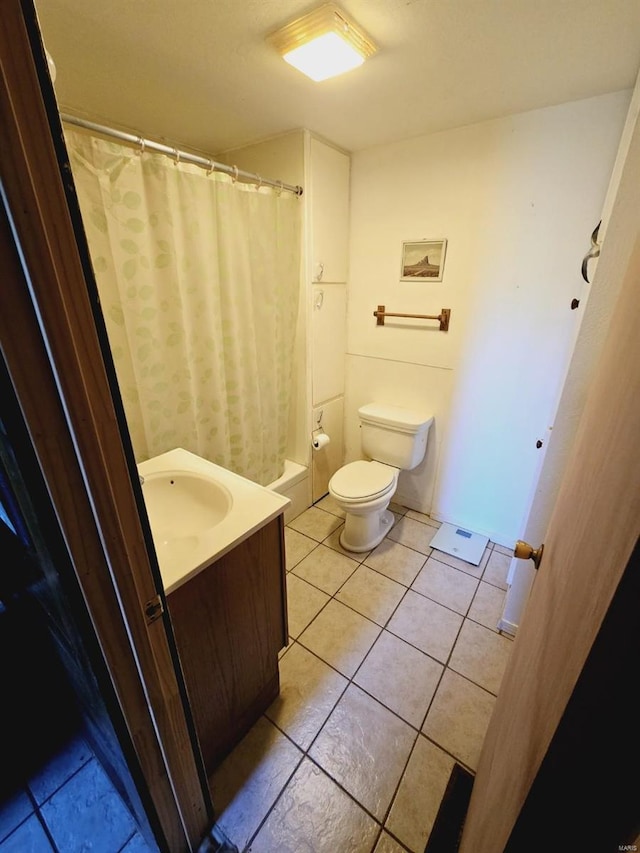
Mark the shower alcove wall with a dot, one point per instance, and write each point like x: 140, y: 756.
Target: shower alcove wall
x: 318, y: 370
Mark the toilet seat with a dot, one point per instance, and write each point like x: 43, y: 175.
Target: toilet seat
x: 363, y: 481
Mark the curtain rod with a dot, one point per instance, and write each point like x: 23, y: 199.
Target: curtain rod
x: 179, y: 156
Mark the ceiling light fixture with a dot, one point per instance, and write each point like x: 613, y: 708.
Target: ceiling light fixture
x: 323, y: 43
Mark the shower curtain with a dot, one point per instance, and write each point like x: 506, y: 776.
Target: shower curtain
x: 198, y: 278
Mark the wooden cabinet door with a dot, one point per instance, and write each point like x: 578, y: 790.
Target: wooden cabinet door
x: 230, y: 623
x: 330, y: 171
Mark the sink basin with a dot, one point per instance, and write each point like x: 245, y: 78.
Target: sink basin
x: 199, y: 511
x: 184, y: 504
x: 183, y: 507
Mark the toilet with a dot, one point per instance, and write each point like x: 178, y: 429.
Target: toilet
x: 395, y: 439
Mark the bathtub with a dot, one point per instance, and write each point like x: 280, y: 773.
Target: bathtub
x: 293, y: 484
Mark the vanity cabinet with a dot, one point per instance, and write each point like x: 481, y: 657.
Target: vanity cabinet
x: 230, y: 622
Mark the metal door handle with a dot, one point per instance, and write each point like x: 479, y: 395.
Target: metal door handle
x: 524, y: 551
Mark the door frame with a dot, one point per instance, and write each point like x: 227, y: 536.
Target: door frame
x: 55, y: 348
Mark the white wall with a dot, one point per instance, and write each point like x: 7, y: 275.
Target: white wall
x: 606, y: 274
x: 517, y: 199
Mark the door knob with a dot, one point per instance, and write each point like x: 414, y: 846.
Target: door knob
x: 524, y: 551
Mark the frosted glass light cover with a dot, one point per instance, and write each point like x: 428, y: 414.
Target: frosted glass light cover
x: 324, y: 57
x: 323, y: 43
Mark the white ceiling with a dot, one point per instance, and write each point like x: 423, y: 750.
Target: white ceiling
x: 200, y: 74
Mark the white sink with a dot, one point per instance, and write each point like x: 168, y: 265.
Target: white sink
x: 199, y: 511
x: 202, y: 503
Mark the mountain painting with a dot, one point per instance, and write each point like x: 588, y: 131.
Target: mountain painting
x: 423, y: 260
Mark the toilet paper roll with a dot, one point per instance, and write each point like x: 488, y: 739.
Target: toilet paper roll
x: 319, y: 441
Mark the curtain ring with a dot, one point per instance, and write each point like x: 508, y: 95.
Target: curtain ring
x: 259, y: 184
x: 141, y: 143
x: 211, y: 167
x: 234, y: 177
x: 280, y: 187
x: 177, y: 156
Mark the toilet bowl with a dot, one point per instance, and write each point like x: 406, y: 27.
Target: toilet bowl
x: 395, y: 439
x: 363, y: 490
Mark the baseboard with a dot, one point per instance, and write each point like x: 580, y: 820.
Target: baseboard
x: 507, y: 627
x: 447, y: 828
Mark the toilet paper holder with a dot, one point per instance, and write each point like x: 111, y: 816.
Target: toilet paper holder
x: 319, y: 439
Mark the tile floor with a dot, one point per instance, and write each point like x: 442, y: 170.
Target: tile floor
x: 390, y: 677
x: 68, y: 806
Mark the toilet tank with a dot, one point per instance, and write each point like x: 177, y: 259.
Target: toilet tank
x: 394, y: 435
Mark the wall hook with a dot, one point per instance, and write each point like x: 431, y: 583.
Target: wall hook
x: 593, y: 252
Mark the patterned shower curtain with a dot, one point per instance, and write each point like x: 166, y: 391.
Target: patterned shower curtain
x: 198, y: 278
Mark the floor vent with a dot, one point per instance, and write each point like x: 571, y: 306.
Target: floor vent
x: 447, y: 829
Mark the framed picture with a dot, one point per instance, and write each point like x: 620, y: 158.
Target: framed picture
x: 423, y: 260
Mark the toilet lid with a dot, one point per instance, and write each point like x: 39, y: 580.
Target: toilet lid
x: 359, y: 480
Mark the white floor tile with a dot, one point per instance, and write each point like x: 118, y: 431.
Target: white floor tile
x: 304, y: 602
x: 396, y: 561
x: 314, y: 815
x: 296, y: 547
x: 481, y: 655
x: 387, y: 844
x: 416, y: 804
x: 309, y: 689
x: 326, y: 569
x: 458, y: 717
x: 364, y: 747
x: 401, y: 677
x: 246, y: 784
x: 413, y: 534
x: 425, y: 624
x: 450, y: 587
x: 487, y: 605
x: 341, y: 637
x: 372, y: 594
x: 315, y: 523
x: 497, y: 569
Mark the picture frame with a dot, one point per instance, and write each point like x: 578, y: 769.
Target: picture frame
x: 423, y: 260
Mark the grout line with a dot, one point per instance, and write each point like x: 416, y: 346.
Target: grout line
x: 448, y: 752
x: 401, y: 777
x: 130, y: 838
x: 41, y: 818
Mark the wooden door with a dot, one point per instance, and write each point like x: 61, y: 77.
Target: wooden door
x: 564, y: 728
